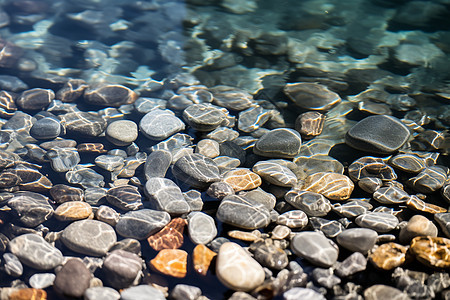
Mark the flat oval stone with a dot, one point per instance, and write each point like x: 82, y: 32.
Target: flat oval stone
x: 330, y: 228
x: 159, y: 124
x: 231, y: 97
x: 27, y: 293
x: 378, y: 221
x: 253, y: 118
x: 241, y: 179
x: 236, y: 269
x: 204, y: 116
x: 369, y: 166
x: 35, y: 99
x: 89, y: 237
x: 31, y: 208
x: 334, y: 186
x: 258, y: 195
x: 418, y: 225
x: 142, y: 292
x: 313, y: 204
x: 432, y: 251
x: 63, y: 159
x: 184, y: 291
x: 33, y: 251
x: 380, y: 291
x: 208, y: 148
x: 157, y: 164
x: 109, y: 95
x: 390, y: 195
x: 388, y: 256
x: 312, y: 96
x: 101, y: 292
x: 242, y: 212
x: 407, y: 163
x: 122, y: 268
x: 302, y: 293
x: 293, y: 219
x: 196, y: 170
x: 370, y: 184
x: 358, y: 239
x: 279, y: 143
x: 85, y: 177
x: 275, y: 173
x: 201, y: 227
x: 170, y: 237
x: 61, y: 193
x: 165, y: 195
x: 310, y: 124
x: 379, y: 134
x: 142, y: 223
x: 172, y: 262
x: 122, y: 132
x: 73, y: 278
x: 429, y: 180
x: 202, y: 257
x: 42, y: 280
x: 352, y: 208
x: 46, y: 129
x: 72, y: 211
x: 125, y: 197
x: 315, y: 247
x: 83, y: 123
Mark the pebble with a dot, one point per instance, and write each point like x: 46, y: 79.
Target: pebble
x: 160, y: 124
x: 355, y: 263
x: 370, y: 184
x: 407, y: 163
x: 312, y: 96
x: 72, y: 90
x: 122, y: 132
x: 61, y: 193
x: 107, y: 214
x: 333, y: 186
x: 233, y: 150
x: 83, y: 123
x: 124, y: 197
x: 388, y: 256
x: 310, y: 165
x: 42, y: 280
x: 331, y: 228
x: 101, y: 293
x: 379, y: 134
x: 208, y: 148
x: 111, y: 163
x: 219, y: 190
x: 202, y: 257
x: 253, y: 118
x: 122, y: 267
x: 431, y: 251
x: 73, y: 278
x: 157, y: 164
x: 325, y: 277
x: 245, y: 235
x: 72, y: 211
x: 225, y: 163
x: 417, y: 226
x: 275, y: 173
x: 378, y: 221
x: 260, y: 196
x: 28, y: 293
x: 358, y: 239
x: 243, y: 213
x: 35, y: 99
x: 313, y: 204
x: 269, y: 255
x: 185, y: 292
x: 429, y: 180
x: 31, y: 248
x: 390, y: 195
x: 89, y: 237
x: 201, y: 227
x: 279, y: 143
x: 352, y: 208
x: 302, y: 293
x: 369, y: 166
x: 310, y: 124
x: 142, y: 292
x: 171, y: 262
x: 12, y: 265
x: 223, y: 134
x: 241, y: 179
x: 380, y: 291
x: 204, y: 116
x: 315, y: 248
x: 31, y: 208
x: 443, y: 219
x: 194, y: 200
x: 109, y: 95
x: 231, y: 97
x: 236, y: 269
x: 196, y: 170
x: 142, y: 223
x: 46, y: 129
x: 419, y: 205
x: 170, y: 237
x: 293, y: 219
x: 63, y: 159
x: 165, y: 195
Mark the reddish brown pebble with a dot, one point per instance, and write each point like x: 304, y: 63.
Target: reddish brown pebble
x: 388, y: 256
x: 73, y: 210
x: 241, y: 179
x: 171, y: 262
x: 310, y: 124
x: 28, y: 294
x: 170, y: 237
x: 91, y: 148
x: 432, y: 251
x: 202, y: 257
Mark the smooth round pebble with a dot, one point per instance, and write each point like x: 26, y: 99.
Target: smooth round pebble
x: 101, y: 293
x: 358, y: 239
x: 122, y: 132
x: 201, y: 227
x: 316, y: 248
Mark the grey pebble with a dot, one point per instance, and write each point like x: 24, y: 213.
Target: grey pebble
x: 142, y: 292
x: 101, y: 293
x: 160, y: 124
x: 142, y: 223
x: 357, y: 239
x: 356, y: 262
x: 42, y: 280
x: 185, y: 292
x: 157, y: 164
x: 12, y: 265
x: 46, y: 129
x: 122, y: 268
x: 196, y: 170
x: 201, y: 227
x: 315, y: 248
x: 63, y: 159
x: 378, y: 221
x: 165, y: 195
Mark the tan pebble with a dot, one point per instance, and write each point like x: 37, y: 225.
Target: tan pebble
x: 73, y: 210
x: 432, y: 251
x: 388, y: 256
x: 280, y: 232
x: 241, y: 179
x: 202, y: 257
x: 28, y: 294
x: 417, y: 226
x: 334, y: 186
x: 245, y: 235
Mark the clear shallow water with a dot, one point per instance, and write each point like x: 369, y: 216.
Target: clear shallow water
x: 400, y: 47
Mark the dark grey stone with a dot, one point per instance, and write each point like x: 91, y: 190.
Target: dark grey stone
x: 73, y: 278
x: 140, y: 224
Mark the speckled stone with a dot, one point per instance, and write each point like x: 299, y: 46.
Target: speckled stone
x: 142, y: 223
x: 417, y: 226
x: 275, y: 173
x: 241, y: 179
x: 325, y: 277
x: 315, y: 248
x: 242, y: 212
x: 122, y: 132
x: 72, y: 211
x: 313, y: 204
x: 160, y: 124
x: 269, y: 255
x: 31, y: 249
x: 165, y: 195
x: 170, y: 237
x: 73, y: 278
x: 201, y: 227
x: 89, y: 237
x: 357, y: 239
x: 202, y: 257
x: 333, y: 186
x: 432, y: 251
x: 236, y: 269
x: 378, y: 221
x: 388, y: 256
x: 219, y: 190
x: 171, y: 262
x: 279, y: 143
